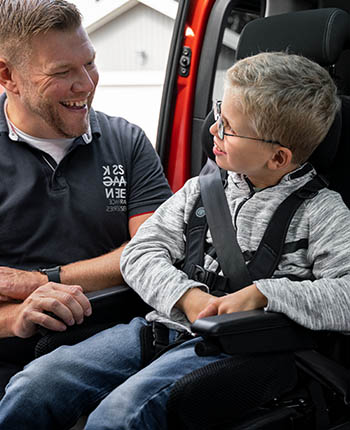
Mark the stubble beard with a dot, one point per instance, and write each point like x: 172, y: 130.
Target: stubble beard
x: 49, y: 114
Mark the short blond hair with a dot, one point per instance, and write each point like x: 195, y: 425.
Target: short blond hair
x: 20, y: 20
x: 287, y: 98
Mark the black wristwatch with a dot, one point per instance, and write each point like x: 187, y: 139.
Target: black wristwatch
x: 52, y: 273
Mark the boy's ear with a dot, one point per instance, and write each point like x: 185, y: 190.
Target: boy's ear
x: 281, y: 158
x: 6, y: 76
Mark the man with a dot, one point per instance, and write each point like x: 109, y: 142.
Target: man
x: 75, y: 184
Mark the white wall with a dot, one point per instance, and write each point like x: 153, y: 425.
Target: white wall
x: 135, y: 96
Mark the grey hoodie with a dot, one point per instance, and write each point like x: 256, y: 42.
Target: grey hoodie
x: 316, y: 252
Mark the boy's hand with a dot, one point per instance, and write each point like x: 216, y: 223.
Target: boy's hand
x: 193, y: 302
x: 243, y: 300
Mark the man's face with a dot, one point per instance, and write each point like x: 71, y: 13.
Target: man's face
x: 56, y: 86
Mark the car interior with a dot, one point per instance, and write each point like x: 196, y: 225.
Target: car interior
x: 203, y: 399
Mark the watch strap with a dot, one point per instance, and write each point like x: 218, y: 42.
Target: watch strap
x: 52, y: 273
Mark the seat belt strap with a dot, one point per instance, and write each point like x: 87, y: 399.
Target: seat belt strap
x: 219, y: 219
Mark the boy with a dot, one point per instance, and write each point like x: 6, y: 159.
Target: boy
x: 276, y: 109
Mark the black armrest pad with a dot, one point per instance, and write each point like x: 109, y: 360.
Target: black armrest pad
x: 118, y: 303
x: 119, y: 292
x: 253, y: 331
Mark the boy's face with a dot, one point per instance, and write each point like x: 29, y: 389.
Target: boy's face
x: 238, y: 154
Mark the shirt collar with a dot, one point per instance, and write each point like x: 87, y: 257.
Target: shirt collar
x: 300, y: 174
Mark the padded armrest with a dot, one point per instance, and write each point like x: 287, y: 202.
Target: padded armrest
x: 117, y: 303
x: 96, y: 296
x: 119, y: 292
x: 252, y: 331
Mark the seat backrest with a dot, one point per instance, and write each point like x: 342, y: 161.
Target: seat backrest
x: 318, y: 34
x: 321, y: 35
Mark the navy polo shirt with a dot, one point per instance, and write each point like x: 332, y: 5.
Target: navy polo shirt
x: 56, y: 214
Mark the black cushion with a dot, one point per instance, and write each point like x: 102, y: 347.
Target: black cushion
x: 326, y: 32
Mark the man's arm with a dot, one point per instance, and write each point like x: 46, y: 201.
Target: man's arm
x: 93, y: 274
x: 100, y: 272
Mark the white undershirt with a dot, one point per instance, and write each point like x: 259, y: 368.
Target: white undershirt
x: 57, y: 148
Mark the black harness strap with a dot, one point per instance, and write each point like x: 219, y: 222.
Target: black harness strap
x: 195, y: 233
x: 195, y: 238
x: 221, y: 228
x: 269, y: 252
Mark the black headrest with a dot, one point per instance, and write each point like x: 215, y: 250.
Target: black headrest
x: 319, y: 34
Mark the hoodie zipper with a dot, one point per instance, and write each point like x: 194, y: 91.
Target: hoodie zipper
x: 251, y: 194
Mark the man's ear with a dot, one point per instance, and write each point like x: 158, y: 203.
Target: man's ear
x: 6, y: 76
x: 281, y: 158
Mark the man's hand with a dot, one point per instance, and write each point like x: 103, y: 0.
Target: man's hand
x: 19, y: 284
x: 66, y: 301
x: 246, y: 299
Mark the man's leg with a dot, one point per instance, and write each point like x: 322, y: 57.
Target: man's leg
x: 53, y: 391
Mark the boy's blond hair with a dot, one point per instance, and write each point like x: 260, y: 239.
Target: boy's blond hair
x: 287, y: 98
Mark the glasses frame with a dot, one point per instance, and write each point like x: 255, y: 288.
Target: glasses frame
x: 221, y: 127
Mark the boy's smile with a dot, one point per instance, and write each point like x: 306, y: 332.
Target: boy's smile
x: 217, y: 150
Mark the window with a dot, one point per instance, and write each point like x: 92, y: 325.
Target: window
x: 234, y: 24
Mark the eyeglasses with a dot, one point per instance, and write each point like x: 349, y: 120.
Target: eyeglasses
x: 221, y: 127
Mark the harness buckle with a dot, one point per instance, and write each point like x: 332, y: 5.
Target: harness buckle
x: 199, y: 274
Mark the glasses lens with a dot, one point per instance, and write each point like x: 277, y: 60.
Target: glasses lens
x: 218, y: 119
x: 216, y: 111
x: 220, y: 128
